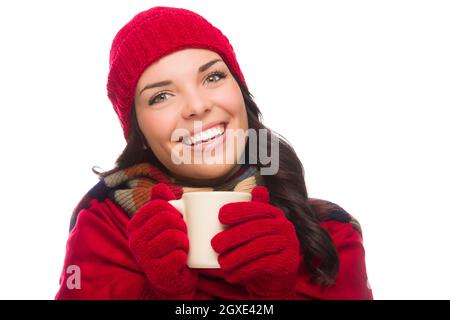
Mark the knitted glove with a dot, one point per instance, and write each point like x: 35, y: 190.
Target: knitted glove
x: 260, y: 248
x: 158, y: 239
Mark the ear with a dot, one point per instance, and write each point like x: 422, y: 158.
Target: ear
x: 260, y: 194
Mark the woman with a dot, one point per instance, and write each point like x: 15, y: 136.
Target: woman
x: 176, y: 85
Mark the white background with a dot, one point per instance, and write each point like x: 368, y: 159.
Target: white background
x: 360, y: 88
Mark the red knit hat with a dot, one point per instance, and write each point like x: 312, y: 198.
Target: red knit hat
x: 151, y: 35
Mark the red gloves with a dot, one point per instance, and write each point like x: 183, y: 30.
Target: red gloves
x: 158, y: 239
x: 260, y: 247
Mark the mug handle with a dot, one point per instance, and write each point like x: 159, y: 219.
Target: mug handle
x: 179, y: 205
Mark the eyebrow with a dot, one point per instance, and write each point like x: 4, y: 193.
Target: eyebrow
x: 203, y: 68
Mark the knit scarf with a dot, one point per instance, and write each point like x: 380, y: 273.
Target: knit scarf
x: 130, y: 188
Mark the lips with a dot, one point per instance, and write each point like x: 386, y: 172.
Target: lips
x: 208, y: 133
x: 206, y: 127
x: 211, y: 144
x: 214, y: 142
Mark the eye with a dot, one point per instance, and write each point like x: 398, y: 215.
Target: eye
x: 216, y: 76
x: 157, y: 98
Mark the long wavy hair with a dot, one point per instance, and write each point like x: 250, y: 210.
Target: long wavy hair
x: 287, y: 190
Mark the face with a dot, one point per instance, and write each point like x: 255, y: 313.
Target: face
x: 191, y: 95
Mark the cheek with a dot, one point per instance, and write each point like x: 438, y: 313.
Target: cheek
x: 233, y: 101
x: 155, y: 127
x: 241, y: 117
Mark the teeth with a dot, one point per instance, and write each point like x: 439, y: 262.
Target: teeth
x: 206, y: 135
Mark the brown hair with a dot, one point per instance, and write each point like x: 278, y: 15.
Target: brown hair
x: 287, y: 191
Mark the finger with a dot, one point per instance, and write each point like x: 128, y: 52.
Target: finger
x: 260, y: 194
x: 166, y: 242
x: 149, y: 251
x: 238, y: 212
x: 242, y: 233
x: 251, y: 252
x: 161, y: 222
x: 161, y: 191
x: 251, y: 270
x: 148, y: 210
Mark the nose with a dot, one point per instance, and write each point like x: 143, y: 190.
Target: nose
x: 196, y: 105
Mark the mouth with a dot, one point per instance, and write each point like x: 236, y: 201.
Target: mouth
x: 205, y: 137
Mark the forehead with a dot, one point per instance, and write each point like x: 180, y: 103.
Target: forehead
x: 184, y: 60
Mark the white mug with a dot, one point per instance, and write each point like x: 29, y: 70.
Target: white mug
x: 200, y: 211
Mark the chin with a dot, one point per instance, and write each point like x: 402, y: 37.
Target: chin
x: 211, y: 171
x: 205, y: 171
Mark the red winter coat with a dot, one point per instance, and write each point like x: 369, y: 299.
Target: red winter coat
x: 98, y: 248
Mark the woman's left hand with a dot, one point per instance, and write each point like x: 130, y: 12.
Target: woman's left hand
x: 260, y: 247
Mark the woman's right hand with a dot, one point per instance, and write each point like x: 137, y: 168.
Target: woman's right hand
x: 158, y: 240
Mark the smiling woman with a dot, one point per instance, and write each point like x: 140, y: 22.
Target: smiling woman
x: 174, y: 80
x: 201, y: 89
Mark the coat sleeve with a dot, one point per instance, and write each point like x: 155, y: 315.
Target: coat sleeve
x: 98, y: 263
x: 351, y: 280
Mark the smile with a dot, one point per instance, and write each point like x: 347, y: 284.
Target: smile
x: 205, y: 136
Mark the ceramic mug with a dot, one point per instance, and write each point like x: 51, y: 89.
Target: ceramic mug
x: 200, y: 211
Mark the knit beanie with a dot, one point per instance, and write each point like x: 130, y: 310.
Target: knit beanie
x: 151, y: 35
